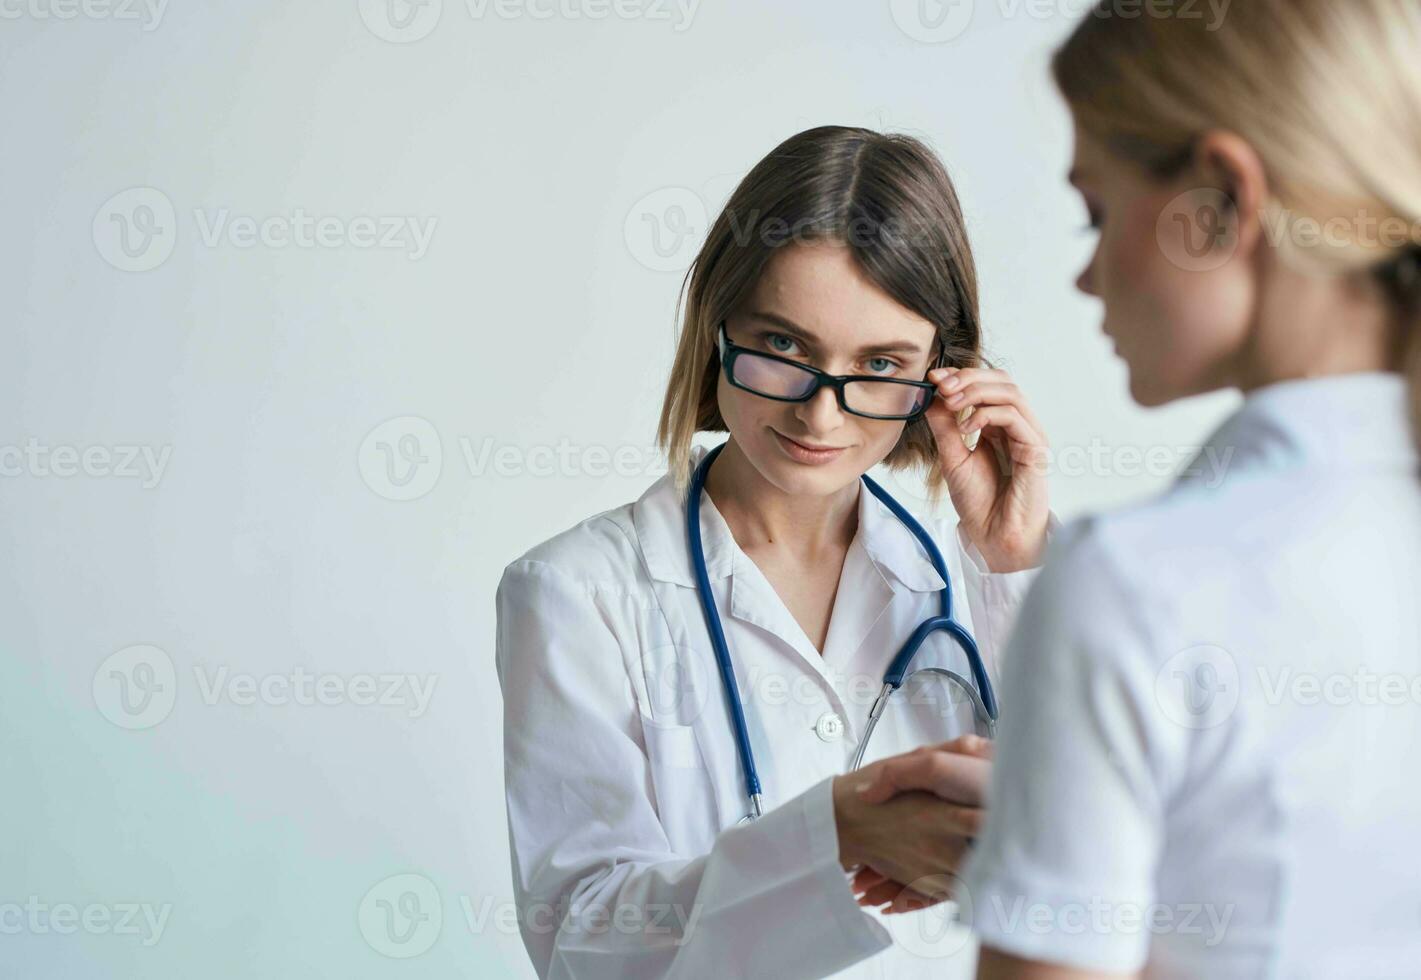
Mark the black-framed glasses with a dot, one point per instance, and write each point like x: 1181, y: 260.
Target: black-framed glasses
x: 785, y: 380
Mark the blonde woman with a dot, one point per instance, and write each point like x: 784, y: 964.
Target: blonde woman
x: 1212, y: 703
x: 673, y: 804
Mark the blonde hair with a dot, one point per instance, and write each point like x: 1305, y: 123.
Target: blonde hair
x: 888, y: 199
x: 1328, y: 93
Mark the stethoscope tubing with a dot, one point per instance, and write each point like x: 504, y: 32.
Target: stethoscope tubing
x: 717, y: 635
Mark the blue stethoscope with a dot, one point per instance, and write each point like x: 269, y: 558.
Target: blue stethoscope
x: 984, y: 702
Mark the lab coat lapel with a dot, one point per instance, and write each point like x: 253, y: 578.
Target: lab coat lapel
x: 895, y: 550
x: 886, y: 564
x: 865, y: 594
x: 753, y: 600
x: 884, y: 560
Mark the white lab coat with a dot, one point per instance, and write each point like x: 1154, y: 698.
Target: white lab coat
x: 624, y: 786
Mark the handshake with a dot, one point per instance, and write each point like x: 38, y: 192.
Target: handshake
x: 905, y: 823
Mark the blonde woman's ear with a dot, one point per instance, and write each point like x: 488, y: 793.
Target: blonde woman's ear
x: 1230, y: 163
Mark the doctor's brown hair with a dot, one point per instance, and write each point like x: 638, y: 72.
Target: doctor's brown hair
x: 886, y: 198
x: 1328, y: 93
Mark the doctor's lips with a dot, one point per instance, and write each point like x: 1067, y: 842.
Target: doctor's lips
x: 802, y: 453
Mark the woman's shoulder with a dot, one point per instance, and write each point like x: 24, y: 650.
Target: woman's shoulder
x: 621, y: 549
x: 1129, y: 551
x: 1137, y: 567
x: 597, y: 550
x: 1163, y: 542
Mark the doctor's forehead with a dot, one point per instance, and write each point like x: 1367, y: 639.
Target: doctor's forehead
x: 817, y: 293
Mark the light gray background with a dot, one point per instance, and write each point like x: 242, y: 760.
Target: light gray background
x: 568, y: 163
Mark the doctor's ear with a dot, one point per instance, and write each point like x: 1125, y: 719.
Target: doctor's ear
x: 1229, y: 164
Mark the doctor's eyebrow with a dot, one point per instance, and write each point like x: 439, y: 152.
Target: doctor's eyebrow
x: 809, y: 340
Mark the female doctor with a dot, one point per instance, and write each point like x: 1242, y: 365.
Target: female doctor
x: 673, y: 813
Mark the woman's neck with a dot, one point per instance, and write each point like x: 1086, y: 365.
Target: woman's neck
x: 1317, y: 327
x: 763, y: 517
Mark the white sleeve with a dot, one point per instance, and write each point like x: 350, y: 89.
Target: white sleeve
x: 1065, y: 870
x: 600, y: 892
x: 994, y: 597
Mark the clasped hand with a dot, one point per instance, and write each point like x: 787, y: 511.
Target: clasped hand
x: 905, y: 823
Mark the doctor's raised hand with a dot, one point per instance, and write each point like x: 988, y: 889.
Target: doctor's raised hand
x: 998, y: 488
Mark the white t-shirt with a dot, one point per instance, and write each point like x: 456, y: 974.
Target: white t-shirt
x: 1208, y: 758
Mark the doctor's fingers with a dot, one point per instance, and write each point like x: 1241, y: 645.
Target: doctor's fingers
x: 939, y: 820
x: 874, y: 888
x: 929, y: 863
x: 900, y: 898
x: 963, y: 821
x: 952, y: 776
x: 1026, y: 444
x: 974, y: 745
x: 983, y: 393
x: 912, y: 835
x: 954, y: 383
x: 897, y: 896
x: 910, y: 900
x: 867, y: 878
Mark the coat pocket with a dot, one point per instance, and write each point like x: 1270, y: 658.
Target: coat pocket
x: 685, y: 794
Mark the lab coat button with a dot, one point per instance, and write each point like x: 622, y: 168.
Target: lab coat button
x: 829, y: 727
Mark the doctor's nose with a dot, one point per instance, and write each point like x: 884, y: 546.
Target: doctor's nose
x: 821, y: 414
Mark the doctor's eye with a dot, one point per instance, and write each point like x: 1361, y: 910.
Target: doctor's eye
x: 889, y: 365
x: 771, y: 338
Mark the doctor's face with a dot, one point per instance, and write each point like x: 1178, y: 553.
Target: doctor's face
x: 813, y: 304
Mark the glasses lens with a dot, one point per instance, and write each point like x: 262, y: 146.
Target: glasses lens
x: 773, y: 378
x: 884, y: 398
